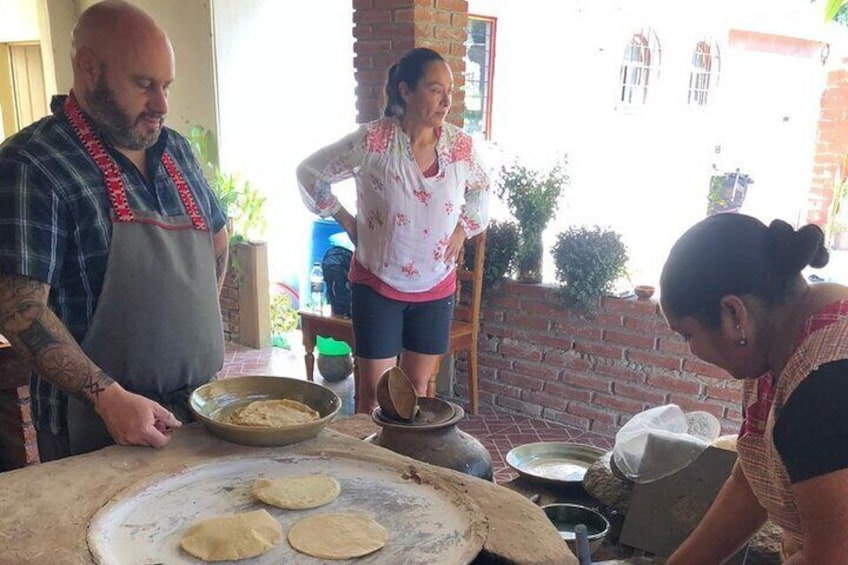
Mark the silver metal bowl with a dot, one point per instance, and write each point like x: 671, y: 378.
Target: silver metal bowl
x: 565, y: 517
x: 553, y: 462
x: 213, y: 402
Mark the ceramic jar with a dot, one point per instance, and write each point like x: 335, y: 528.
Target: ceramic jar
x: 434, y: 438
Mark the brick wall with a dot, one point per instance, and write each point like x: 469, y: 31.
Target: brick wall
x: 18, y: 445
x: 831, y: 143
x: 230, y: 305
x: 539, y: 360
x: 386, y: 29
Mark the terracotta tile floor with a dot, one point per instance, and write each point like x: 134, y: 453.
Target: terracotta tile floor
x: 498, y: 431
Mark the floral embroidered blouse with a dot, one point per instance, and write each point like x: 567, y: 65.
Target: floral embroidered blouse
x: 404, y: 220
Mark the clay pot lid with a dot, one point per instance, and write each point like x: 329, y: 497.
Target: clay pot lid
x: 396, y: 395
x: 433, y: 413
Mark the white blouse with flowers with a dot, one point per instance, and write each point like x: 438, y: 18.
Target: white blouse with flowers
x: 404, y: 220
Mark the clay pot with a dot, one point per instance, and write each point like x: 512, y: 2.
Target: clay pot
x: 644, y: 291
x: 396, y: 395
x: 434, y: 438
x: 335, y: 368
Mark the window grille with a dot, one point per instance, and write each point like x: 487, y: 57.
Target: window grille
x: 479, y: 70
x: 641, y: 65
x: 703, y: 77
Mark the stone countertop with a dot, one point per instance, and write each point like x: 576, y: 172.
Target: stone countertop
x: 46, y: 508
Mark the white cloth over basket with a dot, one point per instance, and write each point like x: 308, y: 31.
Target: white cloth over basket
x: 655, y: 444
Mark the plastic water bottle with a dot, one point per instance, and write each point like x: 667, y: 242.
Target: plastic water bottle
x: 316, y: 288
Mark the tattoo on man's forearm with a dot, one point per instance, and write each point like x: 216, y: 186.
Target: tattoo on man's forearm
x: 37, y: 338
x: 95, y: 384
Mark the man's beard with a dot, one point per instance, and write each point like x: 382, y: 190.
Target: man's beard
x: 114, y: 124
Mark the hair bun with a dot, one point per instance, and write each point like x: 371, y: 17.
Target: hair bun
x: 788, y: 251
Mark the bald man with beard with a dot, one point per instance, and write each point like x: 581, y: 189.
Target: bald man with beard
x: 112, y: 247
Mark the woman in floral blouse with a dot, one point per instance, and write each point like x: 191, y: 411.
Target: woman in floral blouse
x: 421, y: 192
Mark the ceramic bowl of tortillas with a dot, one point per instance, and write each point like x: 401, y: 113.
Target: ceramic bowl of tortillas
x: 265, y: 411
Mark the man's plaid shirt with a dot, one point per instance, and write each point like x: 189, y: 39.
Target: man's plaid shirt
x: 55, y: 223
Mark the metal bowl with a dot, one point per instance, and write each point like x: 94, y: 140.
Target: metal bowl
x: 213, y: 402
x: 566, y: 516
x: 553, y: 462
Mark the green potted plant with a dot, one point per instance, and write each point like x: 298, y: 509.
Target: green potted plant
x: 588, y: 262
x: 244, y: 207
x: 243, y: 204
x: 533, y: 198
x: 502, y: 241
x: 283, y: 319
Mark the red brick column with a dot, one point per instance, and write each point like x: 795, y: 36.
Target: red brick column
x: 18, y: 445
x: 831, y: 144
x: 229, y: 301
x: 386, y: 29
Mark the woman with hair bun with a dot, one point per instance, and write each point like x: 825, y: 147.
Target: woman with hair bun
x: 421, y: 192
x: 732, y: 287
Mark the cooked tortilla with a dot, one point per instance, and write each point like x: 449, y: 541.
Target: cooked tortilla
x: 337, y: 536
x: 273, y: 413
x: 228, y: 538
x: 297, y: 493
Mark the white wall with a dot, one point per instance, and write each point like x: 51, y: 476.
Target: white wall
x: 645, y: 171
x: 285, y: 88
x: 19, y: 21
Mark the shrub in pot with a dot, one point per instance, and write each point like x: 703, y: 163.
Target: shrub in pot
x: 533, y: 199
x: 588, y: 261
x: 502, y: 240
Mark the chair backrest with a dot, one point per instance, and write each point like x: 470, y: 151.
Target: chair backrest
x: 469, y: 282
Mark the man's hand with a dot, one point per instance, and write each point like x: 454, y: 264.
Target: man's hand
x: 457, y: 240
x: 133, y: 419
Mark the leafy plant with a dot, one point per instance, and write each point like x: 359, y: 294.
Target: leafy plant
x: 588, y: 262
x: 835, y: 10
x: 533, y: 199
x: 242, y: 203
x: 502, y: 242
x: 283, y: 314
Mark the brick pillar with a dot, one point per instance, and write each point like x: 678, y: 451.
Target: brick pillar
x: 386, y: 29
x: 831, y: 144
x: 18, y: 445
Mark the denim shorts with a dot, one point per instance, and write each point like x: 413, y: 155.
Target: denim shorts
x: 384, y: 327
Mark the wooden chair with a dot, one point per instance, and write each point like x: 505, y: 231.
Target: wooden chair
x: 465, y: 327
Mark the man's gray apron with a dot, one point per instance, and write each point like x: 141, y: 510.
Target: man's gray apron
x: 157, y: 327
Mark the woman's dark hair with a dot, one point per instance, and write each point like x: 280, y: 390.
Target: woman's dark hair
x: 736, y: 254
x: 409, y: 69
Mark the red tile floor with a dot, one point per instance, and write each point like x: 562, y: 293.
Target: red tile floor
x: 497, y: 430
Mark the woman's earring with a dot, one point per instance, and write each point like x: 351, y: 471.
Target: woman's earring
x: 743, y: 340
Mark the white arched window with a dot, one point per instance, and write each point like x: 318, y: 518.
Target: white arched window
x: 640, y: 66
x: 703, y: 76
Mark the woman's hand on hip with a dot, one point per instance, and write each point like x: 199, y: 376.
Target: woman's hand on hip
x: 457, y: 240
x: 347, y: 222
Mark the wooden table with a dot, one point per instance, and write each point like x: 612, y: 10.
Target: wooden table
x: 313, y: 324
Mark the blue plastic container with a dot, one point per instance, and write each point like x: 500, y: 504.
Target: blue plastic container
x: 323, y: 229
